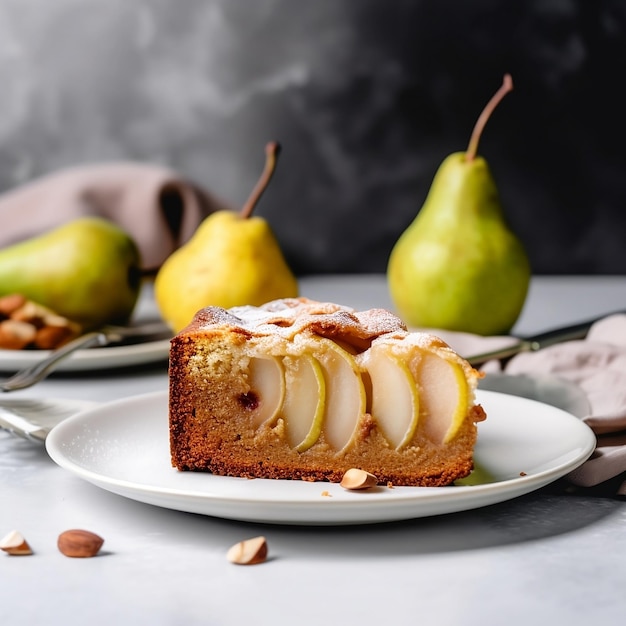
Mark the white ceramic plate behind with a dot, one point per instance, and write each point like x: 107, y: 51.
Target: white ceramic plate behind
x: 109, y: 357
x: 123, y: 447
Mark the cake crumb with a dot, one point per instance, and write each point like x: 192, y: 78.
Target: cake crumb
x: 326, y: 494
x: 389, y: 485
x: 523, y: 474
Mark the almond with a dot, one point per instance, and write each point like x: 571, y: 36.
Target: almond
x: 15, y: 544
x: 31, y: 312
x: 357, y: 479
x: 52, y: 337
x: 10, y: 303
x: 15, y: 335
x: 26, y: 324
x: 78, y: 543
x: 248, y: 552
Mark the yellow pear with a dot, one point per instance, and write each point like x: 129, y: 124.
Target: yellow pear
x: 458, y: 266
x: 233, y: 259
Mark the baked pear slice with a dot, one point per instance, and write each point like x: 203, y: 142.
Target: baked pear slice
x: 345, y: 392
x: 304, y: 401
x: 444, y: 395
x: 395, y: 404
x: 266, y: 377
x: 417, y: 381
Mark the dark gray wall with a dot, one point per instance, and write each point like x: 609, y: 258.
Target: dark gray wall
x: 367, y: 97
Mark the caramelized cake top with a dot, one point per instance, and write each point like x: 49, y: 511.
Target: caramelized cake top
x: 290, y: 316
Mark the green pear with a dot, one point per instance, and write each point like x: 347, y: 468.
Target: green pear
x: 233, y: 259
x: 87, y: 270
x: 458, y: 266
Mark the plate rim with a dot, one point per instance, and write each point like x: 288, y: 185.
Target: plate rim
x: 114, y: 356
x: 343, y: 511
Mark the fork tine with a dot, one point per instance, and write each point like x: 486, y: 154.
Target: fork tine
x: 39, y: 370
x: 33, y: 419
x: 19, y: 381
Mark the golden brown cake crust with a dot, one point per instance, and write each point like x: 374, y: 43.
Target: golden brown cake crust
x: 295, y: 315
x: 210, y: 427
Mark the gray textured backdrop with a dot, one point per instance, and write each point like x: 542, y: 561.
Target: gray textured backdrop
x: 367, y: 98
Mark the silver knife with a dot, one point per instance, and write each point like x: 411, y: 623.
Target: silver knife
x: 539, y: 341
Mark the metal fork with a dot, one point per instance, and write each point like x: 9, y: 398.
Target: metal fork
x: 33, y: 419
x: 102, y: 337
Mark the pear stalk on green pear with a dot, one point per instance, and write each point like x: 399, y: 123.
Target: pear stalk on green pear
x: 458, y: 266
x: 87, y: 270
x: 233, y: 259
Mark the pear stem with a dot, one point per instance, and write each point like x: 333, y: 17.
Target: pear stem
x: 472, y: 148
x: 272, y: 150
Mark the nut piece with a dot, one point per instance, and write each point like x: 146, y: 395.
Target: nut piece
x: 248, y: 552
x: 52, y: 337
x: 15, y: 544
x: 24, y: 324
x: 15, y: 335
x: 355, y: 479
x: 11, y: 303
x: 78, y: 543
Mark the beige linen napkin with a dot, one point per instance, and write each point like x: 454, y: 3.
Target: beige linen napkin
x: 597, y: 365
x: 155, y: 205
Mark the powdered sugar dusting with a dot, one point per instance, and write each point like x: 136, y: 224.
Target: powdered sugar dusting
x: 291, y: 316
x: 380, y: 321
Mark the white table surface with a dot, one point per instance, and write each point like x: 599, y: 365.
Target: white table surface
x: 545, y: 558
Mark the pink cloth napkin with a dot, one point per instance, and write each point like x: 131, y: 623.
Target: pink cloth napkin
x: 597, y: 365
x: 155, y: 205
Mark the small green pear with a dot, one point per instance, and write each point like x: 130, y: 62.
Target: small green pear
x: 232, y: 259
x: 87, y: 270
x: 458, y: 266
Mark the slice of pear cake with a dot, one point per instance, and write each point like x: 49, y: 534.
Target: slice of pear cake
x: 298, y: 389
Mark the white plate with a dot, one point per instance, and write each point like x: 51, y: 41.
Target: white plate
x: 123, y: 447
x: 108, y: 357
x: 92, y: 358
x: 552, y: 390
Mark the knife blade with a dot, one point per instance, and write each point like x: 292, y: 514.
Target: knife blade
x: 532, y: 343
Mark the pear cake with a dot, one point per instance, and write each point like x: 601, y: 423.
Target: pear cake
x: 299, y: 389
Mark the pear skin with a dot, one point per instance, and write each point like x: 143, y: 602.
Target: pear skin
x: 458, y: 266
x: 87, y: 270
x: 229, y: 261
x: 233, y: 259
